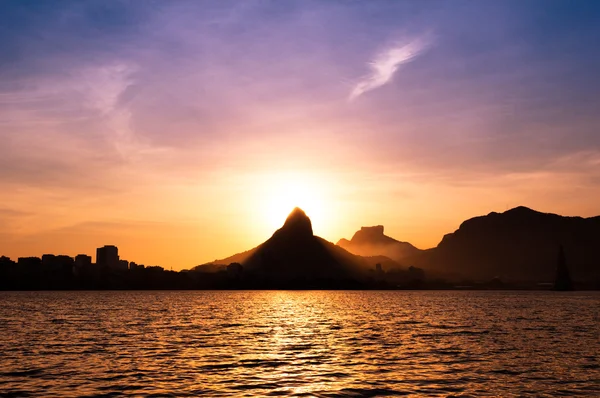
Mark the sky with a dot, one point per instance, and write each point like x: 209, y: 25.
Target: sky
x: 186, y: 131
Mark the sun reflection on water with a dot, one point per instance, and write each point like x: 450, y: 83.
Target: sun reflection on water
x: 297, y: 343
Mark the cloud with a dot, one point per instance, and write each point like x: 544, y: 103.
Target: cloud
x: 387, y: 63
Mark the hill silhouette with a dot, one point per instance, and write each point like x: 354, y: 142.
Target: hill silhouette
x: 519, y: 244
x: 371, y: 241
x: 293, y: 252
x: 294, y: 256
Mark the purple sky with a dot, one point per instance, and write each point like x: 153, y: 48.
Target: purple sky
x: 168, y: 127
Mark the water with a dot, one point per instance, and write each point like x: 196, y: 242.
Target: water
x: 63, y: 344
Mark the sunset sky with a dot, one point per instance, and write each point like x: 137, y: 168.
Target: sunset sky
x: 186, y: 131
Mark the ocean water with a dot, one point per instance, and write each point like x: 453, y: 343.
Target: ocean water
x: 299, y: 343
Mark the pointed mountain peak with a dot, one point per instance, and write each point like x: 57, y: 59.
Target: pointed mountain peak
x: 297, y: 212
x: 298, y: 222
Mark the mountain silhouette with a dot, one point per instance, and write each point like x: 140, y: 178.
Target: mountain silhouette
x: 371, y: 241
x: 294, y: 254
x: 519, y: 244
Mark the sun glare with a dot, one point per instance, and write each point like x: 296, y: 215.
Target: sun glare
x: 285, y: 192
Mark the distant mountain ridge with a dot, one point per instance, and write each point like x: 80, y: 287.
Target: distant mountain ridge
x: 519, y: 244
x: 371, y: 241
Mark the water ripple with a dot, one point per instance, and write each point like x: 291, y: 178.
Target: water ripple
x: 304, y: 344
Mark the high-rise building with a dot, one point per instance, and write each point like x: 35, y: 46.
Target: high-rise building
x: 29, y: 262
x: 123, y: 265
x: 107, y: 256
x: 48, y: 260
x: 83, y: 261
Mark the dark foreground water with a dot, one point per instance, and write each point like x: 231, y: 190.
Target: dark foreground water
x: 323, y: 344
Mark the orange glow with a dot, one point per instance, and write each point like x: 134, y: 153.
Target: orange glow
x: 285, y: 191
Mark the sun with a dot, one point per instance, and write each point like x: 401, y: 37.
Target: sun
x: 284, y: 192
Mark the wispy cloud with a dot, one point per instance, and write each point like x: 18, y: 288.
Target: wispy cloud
x: 385, y: 65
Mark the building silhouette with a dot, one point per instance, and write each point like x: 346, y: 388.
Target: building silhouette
x: 136, y: 267
x: 107, y: 256
x: 83, y: 261
x: 6, y: 261
x: 379, y: 274
x: 123, y: 265
x: 29, y: 262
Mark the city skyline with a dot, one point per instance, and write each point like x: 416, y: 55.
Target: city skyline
x: 106, y: 256
x: 185, y: 132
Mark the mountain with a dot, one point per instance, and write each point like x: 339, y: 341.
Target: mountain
x: 519, y: 244
x: 371, y: 241
x: 294, y: 253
